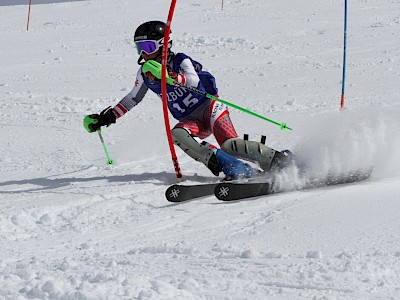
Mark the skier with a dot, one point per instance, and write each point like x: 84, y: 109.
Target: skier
x: 198, y: 116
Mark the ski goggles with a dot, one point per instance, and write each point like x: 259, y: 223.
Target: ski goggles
x: 148, y: 47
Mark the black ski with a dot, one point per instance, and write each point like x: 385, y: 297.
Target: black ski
x: 229, y: 191
x: 180, y: 192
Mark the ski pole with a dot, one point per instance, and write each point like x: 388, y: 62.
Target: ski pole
x: 109, y: 160
x: 154, y: 68
x: 282, y: 125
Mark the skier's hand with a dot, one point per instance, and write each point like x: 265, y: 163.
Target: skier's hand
x: 151, y: 69
x: 94, y: 122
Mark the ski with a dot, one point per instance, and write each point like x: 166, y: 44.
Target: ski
x: 180, y: 192
x: 230, y: 191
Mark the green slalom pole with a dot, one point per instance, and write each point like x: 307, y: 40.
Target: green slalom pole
x: 109, y: 160
x: 155, y: 67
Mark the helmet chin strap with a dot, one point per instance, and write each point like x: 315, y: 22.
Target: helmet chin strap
x: 139, y: 61
x: 171, y: 56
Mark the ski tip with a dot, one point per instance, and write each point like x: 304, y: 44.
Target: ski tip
x: 172, y: 193
x: 223, y: 191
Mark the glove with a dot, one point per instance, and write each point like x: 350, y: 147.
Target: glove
x: 152, y: 71
x: 94, y: 122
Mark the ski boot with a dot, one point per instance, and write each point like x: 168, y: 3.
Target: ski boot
x: 232, y: 167
x: 257, y: 152
x: 282, y: 160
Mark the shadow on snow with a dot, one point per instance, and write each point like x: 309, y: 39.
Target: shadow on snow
x: 162, y: 178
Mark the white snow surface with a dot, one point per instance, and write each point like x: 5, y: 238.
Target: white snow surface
x: 72, y: 227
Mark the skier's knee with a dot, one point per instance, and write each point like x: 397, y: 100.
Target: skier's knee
x: 203, y: 152
x: 179, y: 135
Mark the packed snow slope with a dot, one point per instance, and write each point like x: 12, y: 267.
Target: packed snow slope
x: 72, y: 227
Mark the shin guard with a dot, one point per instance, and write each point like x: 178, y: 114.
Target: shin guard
x: 249, y: 150
x: 203, y: 152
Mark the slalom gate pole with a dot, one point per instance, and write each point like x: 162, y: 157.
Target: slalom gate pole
x: 109, y: 160
x: 344, y: 55
x: 29, y: 15
x: 164, y: 91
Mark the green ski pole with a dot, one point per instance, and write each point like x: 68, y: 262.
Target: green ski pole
x: 155, y: 67
x: 282, y: 125
x: 109, y: 160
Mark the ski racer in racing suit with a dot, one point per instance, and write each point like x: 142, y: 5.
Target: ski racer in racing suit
x: 198, y: 116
